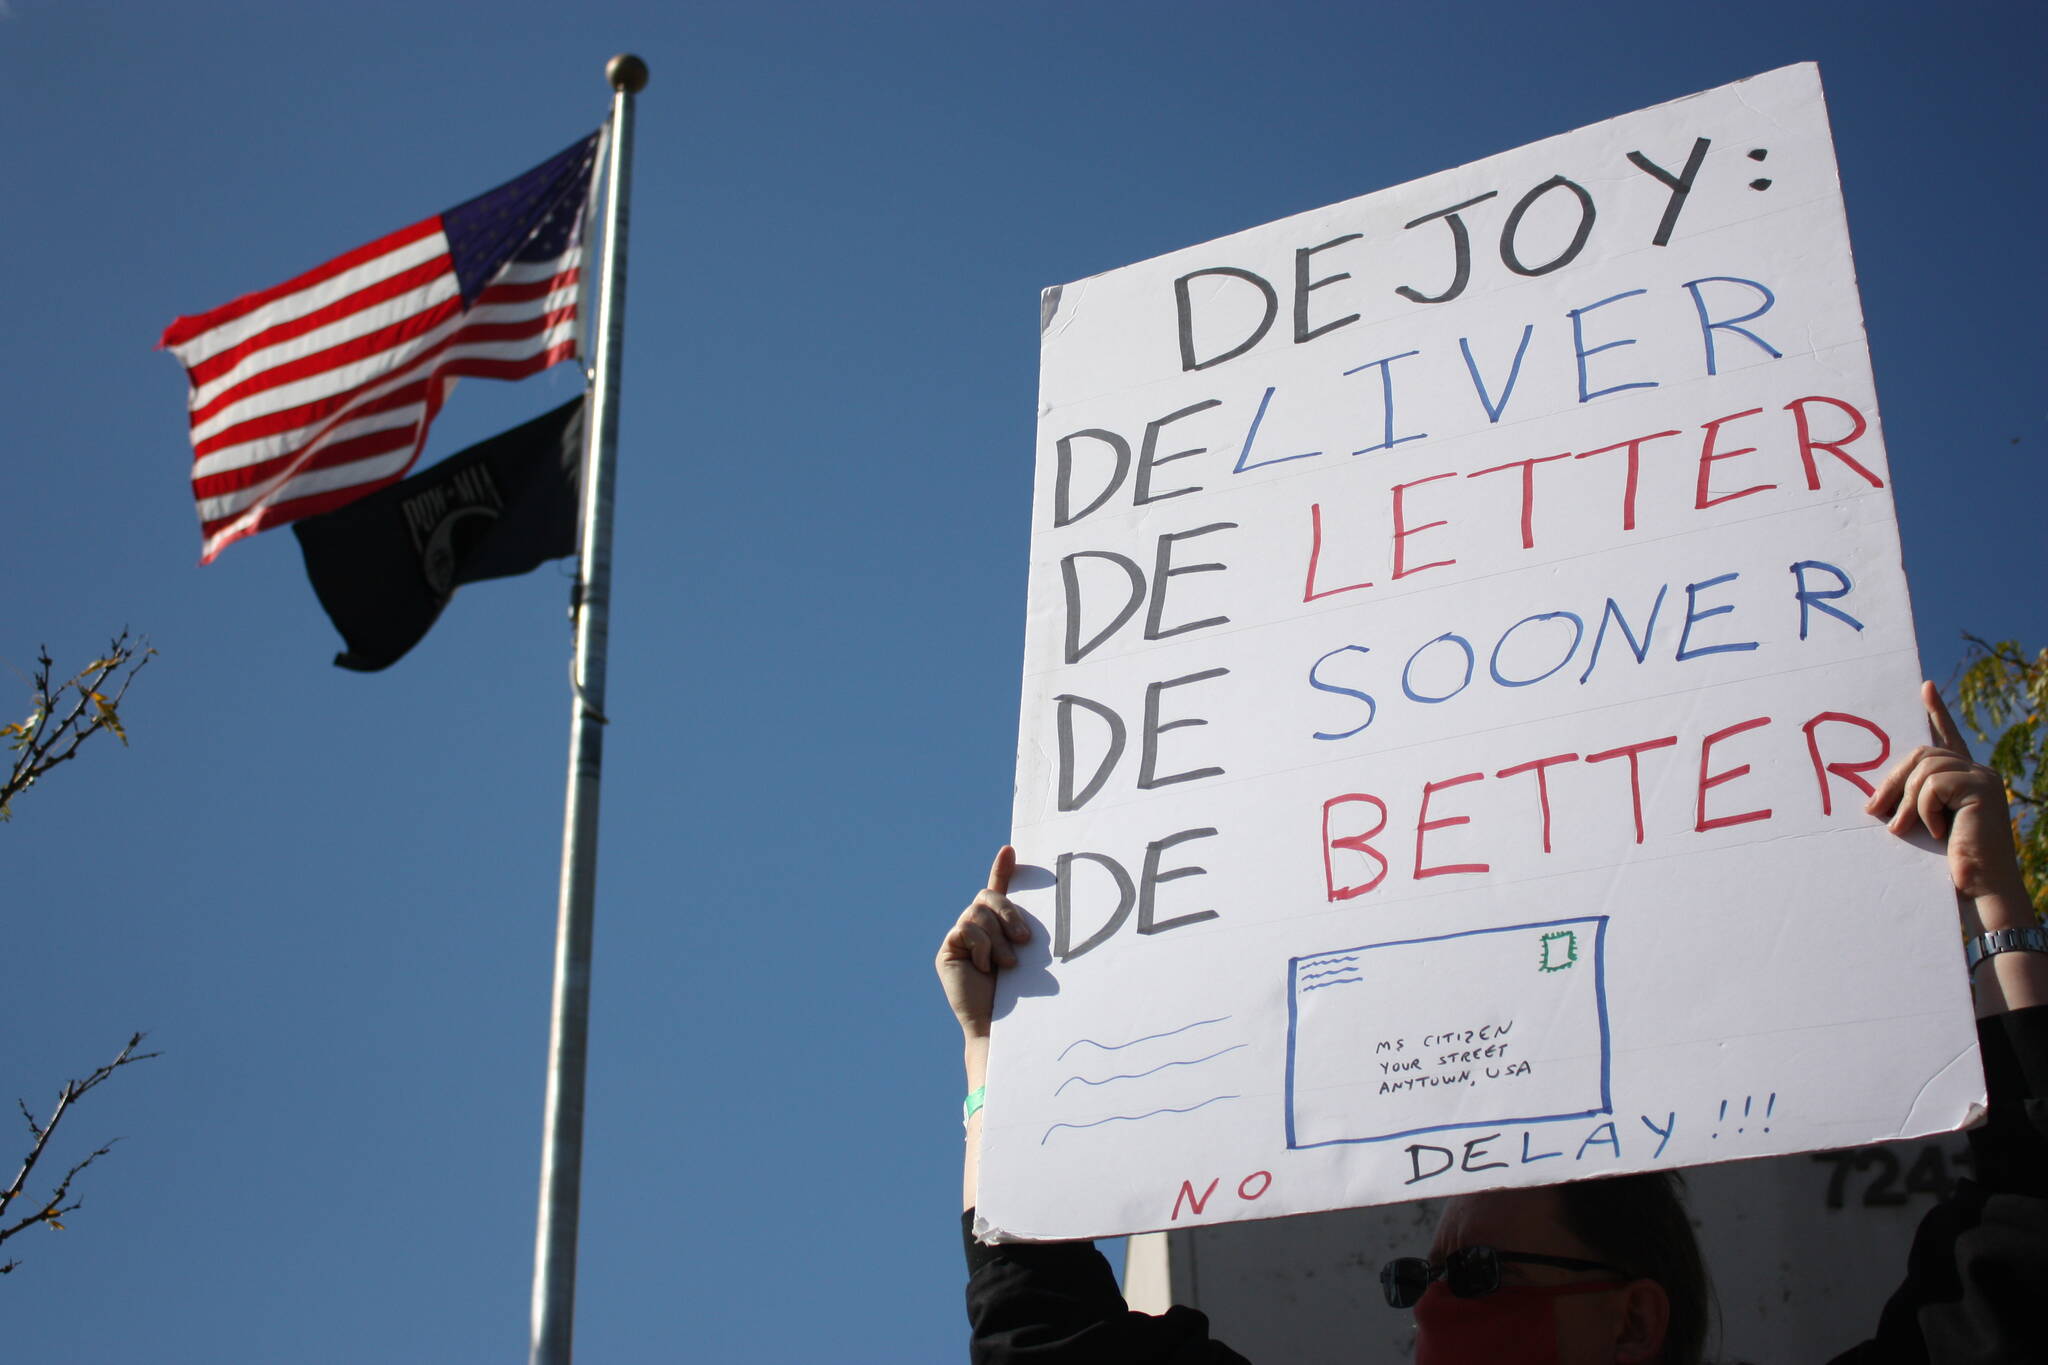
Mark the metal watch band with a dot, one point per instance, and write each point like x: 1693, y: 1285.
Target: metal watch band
x: 2033, y: 939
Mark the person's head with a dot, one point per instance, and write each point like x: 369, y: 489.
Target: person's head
x: 1598, y: 1272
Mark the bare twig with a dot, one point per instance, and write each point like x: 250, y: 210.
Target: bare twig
x: 53, y: 1208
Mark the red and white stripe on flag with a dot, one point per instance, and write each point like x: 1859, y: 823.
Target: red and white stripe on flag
x: 318, y: 391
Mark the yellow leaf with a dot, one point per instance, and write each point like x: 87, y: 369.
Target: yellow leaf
x: 57, y: 1225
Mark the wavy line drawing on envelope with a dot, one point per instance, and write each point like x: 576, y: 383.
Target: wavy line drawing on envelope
x: 1464, y: 1030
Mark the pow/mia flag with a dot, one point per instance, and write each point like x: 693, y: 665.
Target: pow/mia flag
x: 385, y: 565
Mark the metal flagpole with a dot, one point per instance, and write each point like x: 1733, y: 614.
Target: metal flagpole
x: 561, y: 1153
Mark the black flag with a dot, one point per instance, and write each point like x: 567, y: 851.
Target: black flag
x: 385, y: 565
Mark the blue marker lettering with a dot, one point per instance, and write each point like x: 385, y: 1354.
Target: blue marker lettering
x: 1493, y: 409
x: 1593, y: 1138
x: 1577, y: 315
x: 1578, y: 634
x: 1385, y: 367
x: 1813, y: 597
x: 1466, y: 681
x: 1708, y: 326
x: 1372, y: 709
x: 1692, y: 614
x: 1251, y: 434
x: 1612, y: 611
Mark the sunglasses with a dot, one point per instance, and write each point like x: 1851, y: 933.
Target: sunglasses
x: 1469, y: 1272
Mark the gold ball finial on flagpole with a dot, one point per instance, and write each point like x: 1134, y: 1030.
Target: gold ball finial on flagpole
x: 626, y: 72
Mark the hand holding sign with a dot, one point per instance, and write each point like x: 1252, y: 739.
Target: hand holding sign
x: 979, y: 944
x: 1938, y: 788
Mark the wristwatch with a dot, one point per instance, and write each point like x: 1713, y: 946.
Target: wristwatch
x: 2033, y: 939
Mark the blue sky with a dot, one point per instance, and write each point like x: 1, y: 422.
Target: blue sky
x: 330, y: 896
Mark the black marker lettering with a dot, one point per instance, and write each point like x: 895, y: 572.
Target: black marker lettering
x: 1680, y: 185
x: 1564, y: 258
x: 1062, y: 515
x: 1461, y: 248
x: 1149, y: 457
x: 1164, y: 568
x: 1184, y: 306
x: 1151, y: 879
x: 1063, y: 905
x: 1069, y: 798
x: 1071, y: 581
x: 1148, y: 756
x: 1302, y: 286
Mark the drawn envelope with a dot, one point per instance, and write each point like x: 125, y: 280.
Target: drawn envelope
x: 1512, y: 1021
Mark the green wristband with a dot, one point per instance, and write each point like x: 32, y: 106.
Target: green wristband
x: 971, y: 1106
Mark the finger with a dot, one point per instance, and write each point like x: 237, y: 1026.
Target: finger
x: 990, y: 922
x: 1933, y: 804
x: 999, y: 871
x: 960, y: 939
x: 1885, y: 796
x: 1908, y: 813
x: 974, y: 943
x: 990, y: 930
x: 1934, y: 779
x: 1946, y: 733
x: 1015, y: 927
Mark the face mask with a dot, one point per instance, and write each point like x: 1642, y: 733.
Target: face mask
x: 1514, y: 1325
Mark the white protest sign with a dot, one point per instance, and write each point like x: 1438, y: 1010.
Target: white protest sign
x: 1464, y: 625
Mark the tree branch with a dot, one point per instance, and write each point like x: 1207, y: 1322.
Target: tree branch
x: 51, y: 1209
x: 47, y: 739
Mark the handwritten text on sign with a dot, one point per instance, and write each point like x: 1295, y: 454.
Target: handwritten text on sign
x: 1464, y: 625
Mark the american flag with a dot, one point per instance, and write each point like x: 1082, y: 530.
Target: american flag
x: 317, y: 391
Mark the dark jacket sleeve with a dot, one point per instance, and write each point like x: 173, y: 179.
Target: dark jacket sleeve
x: 1976, y: 1287
x: 1057, y: 1303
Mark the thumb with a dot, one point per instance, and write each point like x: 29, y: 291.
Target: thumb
x: 999, y: 871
